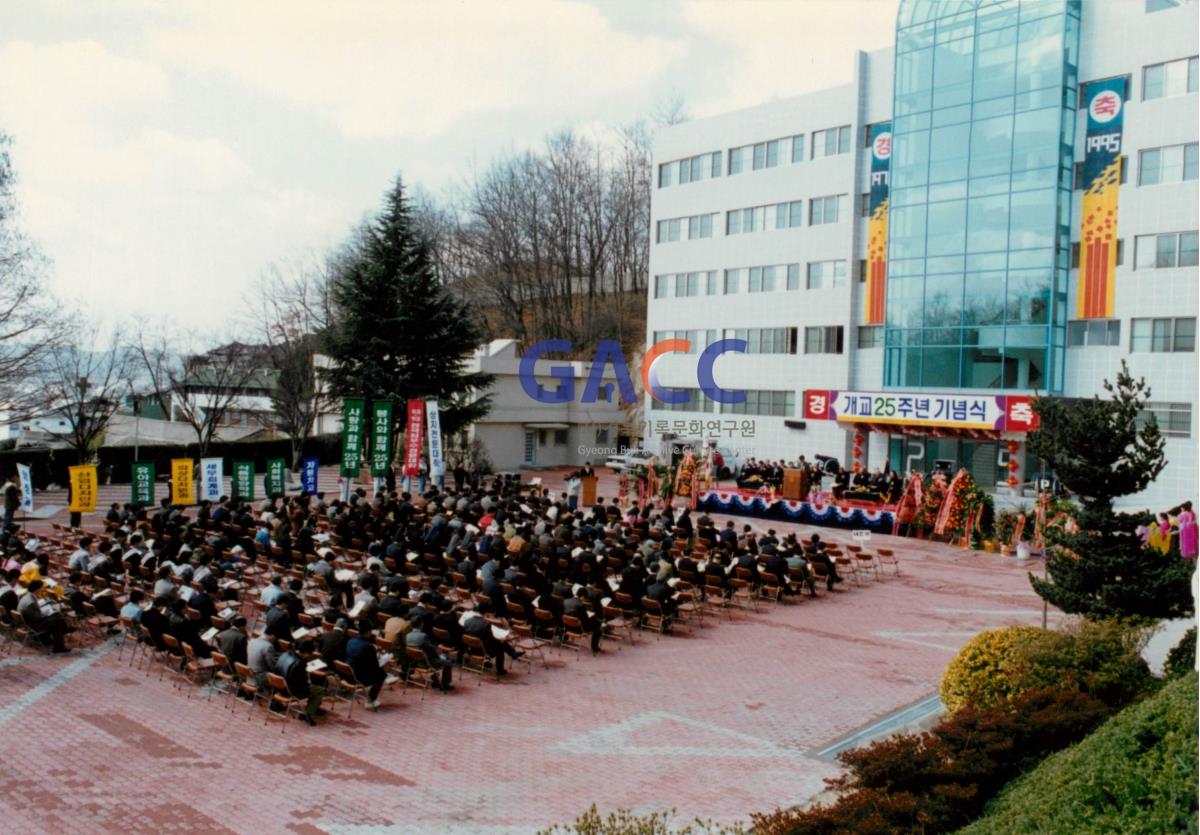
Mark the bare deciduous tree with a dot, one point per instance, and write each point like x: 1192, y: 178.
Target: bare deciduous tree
x: 84, y: 384
x: 29, y: 322
x: 200, y: 389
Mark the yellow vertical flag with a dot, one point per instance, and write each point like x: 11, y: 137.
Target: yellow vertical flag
x: 84, y: 485
x: 183, y: 485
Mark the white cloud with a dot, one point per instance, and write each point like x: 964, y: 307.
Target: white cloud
x: 412, y: 69
x: 778, y: 48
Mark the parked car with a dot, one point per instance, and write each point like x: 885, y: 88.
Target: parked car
x: 629, y: 460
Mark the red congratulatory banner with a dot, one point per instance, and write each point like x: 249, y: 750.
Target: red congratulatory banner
x: 412, y: 444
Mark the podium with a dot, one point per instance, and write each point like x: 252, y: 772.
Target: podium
x: 792, y: 485
x: 587, y: 491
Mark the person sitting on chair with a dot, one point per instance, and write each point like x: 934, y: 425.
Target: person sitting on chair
x: 814, y: 551
x: 578, y: 607
x: 293, y: 666
x: 43, y: 618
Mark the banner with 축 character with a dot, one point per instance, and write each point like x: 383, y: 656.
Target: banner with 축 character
x: 1101, y: 183
x: 877, y: 225
x: 994, y: 412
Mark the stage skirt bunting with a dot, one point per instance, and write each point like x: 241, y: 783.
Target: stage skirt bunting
x: 786, y: 510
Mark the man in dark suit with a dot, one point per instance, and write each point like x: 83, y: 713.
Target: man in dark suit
x: 578, y: 607
x: 776, y: 567
x: 333, y: 642
x: 293, y: 666
x: 232, y: 642
x: 279, y: 624
x: 362, y: 658
x: 814, y: 551
x: 477, y: 626
x: 729, y: 535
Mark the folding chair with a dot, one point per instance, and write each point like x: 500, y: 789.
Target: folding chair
x: 476, y: 659
x: 530, y: 644
x: 281, y: 697
x: 347, y: 682
x: 224, y: 678
x: 887, y: 556
x: 417, y: 672
x: 864, y: 560
x: 572, y: 636
x: 653, y: 617
x: 615, y: 623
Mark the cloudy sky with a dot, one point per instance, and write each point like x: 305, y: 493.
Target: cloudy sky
x: 167, y: 151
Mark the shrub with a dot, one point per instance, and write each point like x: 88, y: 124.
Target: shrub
x: 1099, y: 658
x: 985, y: 669
x: 939, y: 780
x: 1181, y: 660
x: 626, y: 822
x: 1137, y: 773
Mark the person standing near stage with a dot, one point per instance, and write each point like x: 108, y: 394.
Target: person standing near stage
x: 12, y: 499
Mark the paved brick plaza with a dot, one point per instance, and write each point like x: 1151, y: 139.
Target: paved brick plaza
x: 719, y: 723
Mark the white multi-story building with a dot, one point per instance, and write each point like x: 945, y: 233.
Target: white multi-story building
x: 761, y: 224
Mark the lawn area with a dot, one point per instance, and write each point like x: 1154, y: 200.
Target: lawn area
x: 1137, y: 773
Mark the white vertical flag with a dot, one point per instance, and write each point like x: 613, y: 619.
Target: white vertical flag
x: 26, y: 478
x: 212, y: 477
x: 436, y: 465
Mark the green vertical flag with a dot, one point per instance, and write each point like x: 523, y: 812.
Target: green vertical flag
x: 275, y: 483
x: 142, y: 484
x: 353, y: 416
x: 381, y: 437
x: 243, y: 480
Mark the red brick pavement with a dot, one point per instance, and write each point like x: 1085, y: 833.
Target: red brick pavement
x: 718, y: 723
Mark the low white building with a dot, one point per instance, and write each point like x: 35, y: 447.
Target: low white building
x: 520, y: 431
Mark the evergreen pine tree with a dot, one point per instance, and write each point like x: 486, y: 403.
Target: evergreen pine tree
x: 398, y: 333
x: 1101, y: 449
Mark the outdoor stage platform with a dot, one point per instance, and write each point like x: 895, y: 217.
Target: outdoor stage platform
x: 849, y: 515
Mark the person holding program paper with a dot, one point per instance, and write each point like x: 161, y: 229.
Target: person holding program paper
x: 293, y: 666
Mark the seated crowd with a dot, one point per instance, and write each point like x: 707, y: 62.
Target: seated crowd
x: 377, y: 588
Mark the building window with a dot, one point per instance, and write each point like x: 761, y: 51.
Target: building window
x: 798, y: 148
x: 601, y: 436
x: 1078, y: 175
x: 710, y: 282
x: 823, y: 340
x: 1172, y: 164
x: 662, y: 286
x: 788, y: 215
x: 861, y: 266
x: 762, y: 279
x: 1160, y: 5
x: 666, y: 173
x: 687, y: 284
x: 1174, y: 249
x: 823, y: 210
x: 864, y: 204
x: 1172, y: 78
x: 823, y: 274
x: 766, y: 340
x: 1094, y: 332
x: 870, y: 336
x: 700, y: 226
x: 737, y: 159
x: 1163, y: 336
x: 697, y: 402
x: 731, y: 282
x: 793, y: 276
x: 668, y: 230
x: 768, y: 403
x: 828, y: 143
x: 1075, y: 253
x: 1174, y: 419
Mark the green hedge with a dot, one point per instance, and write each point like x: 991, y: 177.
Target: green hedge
x: 49, y: 466
x: 1136, y: 773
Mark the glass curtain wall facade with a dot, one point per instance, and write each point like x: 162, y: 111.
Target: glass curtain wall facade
x: 981, y: 177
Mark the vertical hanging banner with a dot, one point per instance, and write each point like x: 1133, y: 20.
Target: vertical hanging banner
x: 1101, y: 184
x: 381, y: 437
x: 353, y: 412
x: 141, y: 484
x: 308, y: 474
x: 212, y: 479
x: 437, y: 465
x: 26, y: 478
x: 412, y: 438
x: 877, y: 226
x: 183, y: 483
x: 84, y: 485
x: 243, y: 480
x: 275, y: 481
